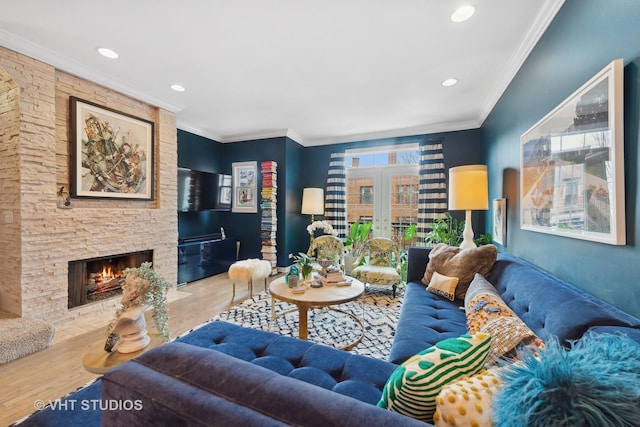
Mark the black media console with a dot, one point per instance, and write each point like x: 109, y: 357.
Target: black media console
x: 204, y: 256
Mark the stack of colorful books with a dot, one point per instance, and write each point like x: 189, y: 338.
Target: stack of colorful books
x: 269, y: 217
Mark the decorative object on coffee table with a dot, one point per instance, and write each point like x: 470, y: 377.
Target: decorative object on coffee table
x: 306, y: 265
x: 292, y: 276
x: 327, y: 248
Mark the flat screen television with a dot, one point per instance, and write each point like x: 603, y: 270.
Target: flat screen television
x: 203, y: 191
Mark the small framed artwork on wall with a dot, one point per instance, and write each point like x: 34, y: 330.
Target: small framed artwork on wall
x: 112, y: 153
x: 245, y: 197
x: 500, y: 221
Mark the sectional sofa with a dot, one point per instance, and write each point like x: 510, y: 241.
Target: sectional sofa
x: 225, y: 374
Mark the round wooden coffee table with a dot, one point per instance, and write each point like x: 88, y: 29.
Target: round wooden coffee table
x: 325, y: 296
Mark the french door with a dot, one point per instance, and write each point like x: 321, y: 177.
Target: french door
x: 387, y: 196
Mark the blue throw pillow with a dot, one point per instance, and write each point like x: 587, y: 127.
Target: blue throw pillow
x: 595, y: 383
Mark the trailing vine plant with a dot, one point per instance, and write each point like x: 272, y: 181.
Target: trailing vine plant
x: 149, y: 289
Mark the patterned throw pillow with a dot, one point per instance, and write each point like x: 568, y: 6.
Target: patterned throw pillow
x: 442, y: 285
x: 467, y: 401
x: 412, y: 388
x: 487, y: 312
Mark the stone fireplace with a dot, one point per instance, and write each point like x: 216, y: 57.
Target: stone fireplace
x: 40, y: 238
x: 100, y: 278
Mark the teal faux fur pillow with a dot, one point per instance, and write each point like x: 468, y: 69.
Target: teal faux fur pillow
x: 595, y: 383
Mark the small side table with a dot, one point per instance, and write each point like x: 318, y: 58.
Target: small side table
x: 98, y: 361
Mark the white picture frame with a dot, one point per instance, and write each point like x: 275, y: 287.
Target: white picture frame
x: 245, y: 187
x: 499, y: 210
x: 572, y: 164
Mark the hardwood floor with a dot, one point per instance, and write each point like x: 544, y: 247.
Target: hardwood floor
x: 56, y: 371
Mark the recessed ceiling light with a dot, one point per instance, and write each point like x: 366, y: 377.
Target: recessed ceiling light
x: 463, y: 13
x: 178, y: 88
x: 449, y: 82
x: 106, y: 52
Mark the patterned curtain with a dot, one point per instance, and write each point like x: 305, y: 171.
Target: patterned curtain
x: 432, y: 190
x: 335, y: 195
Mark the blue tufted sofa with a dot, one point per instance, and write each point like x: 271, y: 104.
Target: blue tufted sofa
x: 548, y: 305
x: 259, y: 378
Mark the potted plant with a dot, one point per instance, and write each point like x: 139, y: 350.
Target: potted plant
x: 409, y: 234
x: 358, y: 234
x: 448, y: 230
x: 305, y: 262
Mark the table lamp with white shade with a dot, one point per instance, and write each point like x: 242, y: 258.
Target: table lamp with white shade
x: 468, y: 191
x: 313, y: 202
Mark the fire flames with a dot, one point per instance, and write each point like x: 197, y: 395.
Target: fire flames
x: 104, y: 281
x: 106, y: 275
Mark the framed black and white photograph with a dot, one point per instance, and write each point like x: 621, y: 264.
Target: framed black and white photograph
x: 499, y: 232
x: 572, y: 164
x: 112, y: 153
x: 245, y: 179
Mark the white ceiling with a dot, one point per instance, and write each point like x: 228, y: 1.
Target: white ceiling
x: 321, y: 72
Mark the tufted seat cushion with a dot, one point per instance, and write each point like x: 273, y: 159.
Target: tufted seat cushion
x: 360, y: 377
x: 376, y: 274
x: 425, y: 319
x: 178, y: 384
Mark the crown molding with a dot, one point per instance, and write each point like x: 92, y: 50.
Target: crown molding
x: 396, y: 133
x: 42, y: 54
x: 307, y: 142
x: 546, y: 15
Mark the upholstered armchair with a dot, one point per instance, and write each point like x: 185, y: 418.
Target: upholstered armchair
x: 327, y: 247
x: 382, y: 263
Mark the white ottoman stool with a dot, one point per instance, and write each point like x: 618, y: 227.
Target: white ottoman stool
x: 249, y: 270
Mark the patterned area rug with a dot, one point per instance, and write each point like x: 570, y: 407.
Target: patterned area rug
x: 377, y: 309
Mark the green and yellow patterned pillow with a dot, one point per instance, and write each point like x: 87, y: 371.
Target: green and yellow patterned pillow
x: 412, y: 388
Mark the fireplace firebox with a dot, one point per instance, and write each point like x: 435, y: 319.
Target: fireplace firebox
x: 95, y: 279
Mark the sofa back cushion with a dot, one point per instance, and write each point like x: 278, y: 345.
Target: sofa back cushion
x: 550, y: 306
x: 181, y: 384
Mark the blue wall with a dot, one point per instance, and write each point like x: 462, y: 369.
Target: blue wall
x: 585, y: 36
x: 460, y: 148
x: 298, y: 167
x: 196, y: 152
